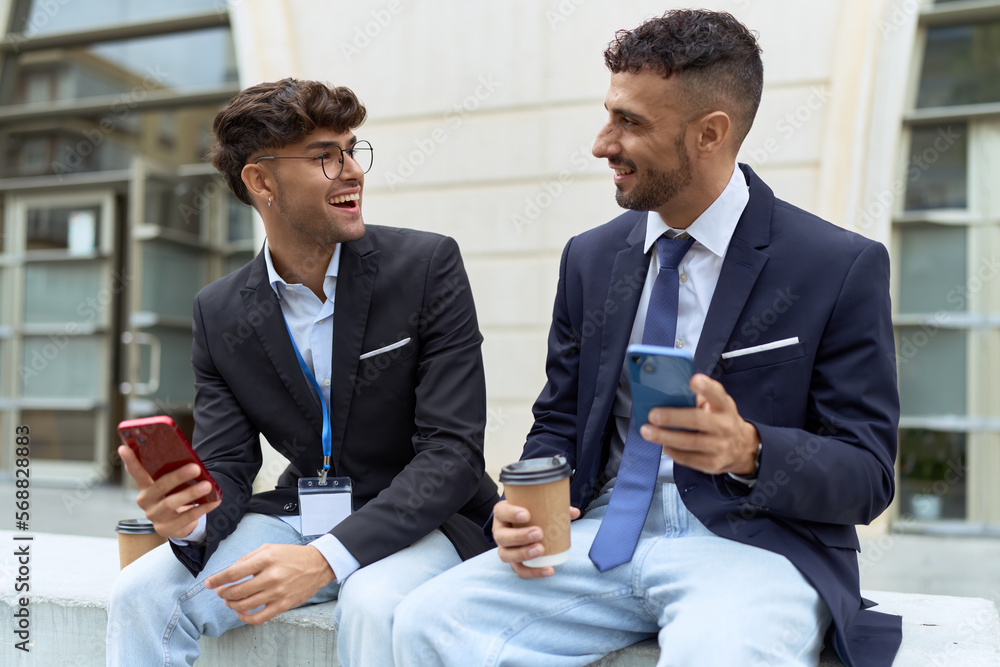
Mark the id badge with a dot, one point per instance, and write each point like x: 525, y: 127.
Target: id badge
x: 323, y: 503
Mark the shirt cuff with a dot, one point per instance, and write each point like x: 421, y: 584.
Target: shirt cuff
x: 337, y: 556
x: 749, y: 481
x: 197, y: 536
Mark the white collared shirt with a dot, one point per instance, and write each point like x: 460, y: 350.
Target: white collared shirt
x: 309, y: 319
x: 699, y: 272
x: 310, y: 322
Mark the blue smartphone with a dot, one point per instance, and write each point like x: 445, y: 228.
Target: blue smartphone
x: 660, y: 377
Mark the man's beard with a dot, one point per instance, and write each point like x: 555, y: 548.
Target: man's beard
x: 655, y: 188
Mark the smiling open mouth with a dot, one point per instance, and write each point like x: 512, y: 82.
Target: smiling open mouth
x: 345, y: 201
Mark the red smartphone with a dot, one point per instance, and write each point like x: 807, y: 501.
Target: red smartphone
x: 161, y: 448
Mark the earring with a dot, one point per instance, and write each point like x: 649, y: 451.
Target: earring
x: 269, y: 202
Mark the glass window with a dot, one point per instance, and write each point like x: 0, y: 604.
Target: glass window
x: 932, y: 474
x: 180, y: 204
x: 961, y: 65
x: 57, y: 292
x: 107, y: 140
x: 932, y: 370
x: 128, y: 69
x: 75, y: 229
x: 239, y: 217
x: 171, y: 275
x: 47, y: 17
x: 176, y: 375
x: 61, y: 366
x: 62, y: 435
x: 4, y: 301
x: 932, y: 268
x: 937, y: 171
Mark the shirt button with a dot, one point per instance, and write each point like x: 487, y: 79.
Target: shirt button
x: 326, y: 382
x: 679, y: 342
x: 683, y: 278
x: 288, y: 287
x: 320, y: 322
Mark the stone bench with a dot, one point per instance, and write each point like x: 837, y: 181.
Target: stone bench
x: 70, y: 578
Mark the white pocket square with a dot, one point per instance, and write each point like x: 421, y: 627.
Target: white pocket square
x: 385, y: 349
x: 761, y: 348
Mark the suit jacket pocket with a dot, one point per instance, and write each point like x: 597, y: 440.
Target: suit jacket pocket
x: 761, y: 359
x: 395, y: 350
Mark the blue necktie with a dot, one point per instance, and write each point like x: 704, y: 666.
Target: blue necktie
x: 619, y: 532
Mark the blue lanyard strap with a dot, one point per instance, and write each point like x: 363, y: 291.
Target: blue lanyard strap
x: 327, y: 436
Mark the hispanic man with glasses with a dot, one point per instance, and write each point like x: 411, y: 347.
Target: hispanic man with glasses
x: 332, y: 344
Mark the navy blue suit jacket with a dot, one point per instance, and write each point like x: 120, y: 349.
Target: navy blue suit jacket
x: 826, y: 408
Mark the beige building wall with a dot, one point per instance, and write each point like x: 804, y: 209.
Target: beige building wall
x: 482, y: 117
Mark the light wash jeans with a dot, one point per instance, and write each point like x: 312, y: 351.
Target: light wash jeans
x: 712, y: 601
x: 158, y: 610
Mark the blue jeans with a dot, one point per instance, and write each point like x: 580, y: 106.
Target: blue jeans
x: 158, y: 610
x: 710, y: 600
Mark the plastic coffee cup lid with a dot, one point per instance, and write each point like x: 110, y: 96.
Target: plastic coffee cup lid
x: 135, y: 526
x: 535, y: 471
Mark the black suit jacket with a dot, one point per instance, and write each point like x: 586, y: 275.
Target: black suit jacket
x: 826, y: 407
x: 407, y: 424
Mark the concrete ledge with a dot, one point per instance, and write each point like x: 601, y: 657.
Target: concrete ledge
x: 937, y: 630
x: 70, y: 578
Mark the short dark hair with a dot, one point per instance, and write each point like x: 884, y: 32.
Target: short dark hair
x: 716, y: 58
x: 272, y: 115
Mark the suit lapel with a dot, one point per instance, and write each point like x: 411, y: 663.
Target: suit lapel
x: 355, y: 281
x: 629, y: 271
x: 264, y: 314
x: 740, y: 268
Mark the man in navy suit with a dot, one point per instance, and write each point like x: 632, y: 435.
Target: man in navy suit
x: 743, y: 550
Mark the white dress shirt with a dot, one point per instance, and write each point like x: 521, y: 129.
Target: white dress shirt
x: 698, y: 273
x: 310, y: 322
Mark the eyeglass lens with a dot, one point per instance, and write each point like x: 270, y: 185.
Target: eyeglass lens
x: 333, y: 161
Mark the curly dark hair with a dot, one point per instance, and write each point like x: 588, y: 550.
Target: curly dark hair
x: 714, y: 56
x: 275, y: 114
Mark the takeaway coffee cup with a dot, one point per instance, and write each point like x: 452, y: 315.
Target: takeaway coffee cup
x: 136, y: 537
x: 542, y: 487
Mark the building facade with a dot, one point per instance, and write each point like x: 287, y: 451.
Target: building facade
x: 882, y: 116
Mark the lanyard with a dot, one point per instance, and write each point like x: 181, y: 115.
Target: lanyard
x: 327, y: 436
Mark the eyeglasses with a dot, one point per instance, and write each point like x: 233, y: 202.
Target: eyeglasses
x: 332, y: 158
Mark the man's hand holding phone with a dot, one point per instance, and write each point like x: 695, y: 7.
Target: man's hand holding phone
x: 715, y: 439
x: 173, y: 514
x: 689, y: 414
